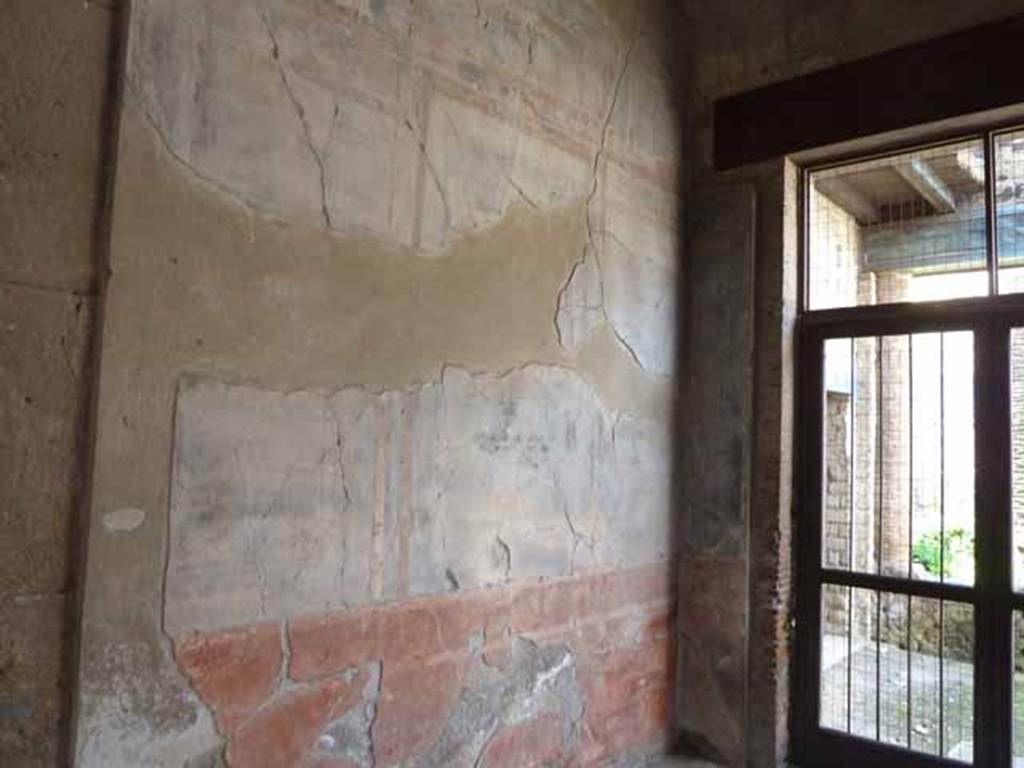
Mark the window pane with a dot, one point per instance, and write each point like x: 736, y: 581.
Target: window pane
x: 1017, y: 451
x: 1009, y: 190
x: 894, y: 663
x: 837, y: 527
x: 864, y: 665
x: 899, y: 670
x: 835, y: 656
x: 1018, y: 688
x: 907, y: 227
x: 958, y: 681
x: 957, y: 468
x: 898, y: 446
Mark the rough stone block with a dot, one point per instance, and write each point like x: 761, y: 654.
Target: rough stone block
x: 43, y: 396
x: 54, y: 71
x: 32, y: 685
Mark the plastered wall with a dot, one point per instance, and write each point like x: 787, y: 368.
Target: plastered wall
x: 384, y: 443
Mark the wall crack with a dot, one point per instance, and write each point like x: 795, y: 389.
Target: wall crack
x: 275, y: 53
x: 589, y: 256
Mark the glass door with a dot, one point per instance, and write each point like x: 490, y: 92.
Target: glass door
x: 910, y: 632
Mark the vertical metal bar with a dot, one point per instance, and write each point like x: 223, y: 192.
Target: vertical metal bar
x: 910, y: 524
x: 849, y: 658
x: 879, y: 450
x: 993, y: 725
x: 942, y: 536
x: 910, y: 458
x: 942, y: 681
x: 942, y: 457
x: 853, y: 451
x: 991, y: 236
x: 878, y: 540
x: 850, y: 550
x: 910, y: 684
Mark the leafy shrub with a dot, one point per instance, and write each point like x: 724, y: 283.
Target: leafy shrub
x: 928, y: 551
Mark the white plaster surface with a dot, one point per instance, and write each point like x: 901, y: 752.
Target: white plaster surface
x: 415, y: 124
x: 285, y: 504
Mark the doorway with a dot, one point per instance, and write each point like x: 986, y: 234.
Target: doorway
x: 910, y: 490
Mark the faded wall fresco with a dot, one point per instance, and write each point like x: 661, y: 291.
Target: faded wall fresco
x: 384, y: 454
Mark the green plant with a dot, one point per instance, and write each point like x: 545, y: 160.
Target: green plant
x: 928, y: 550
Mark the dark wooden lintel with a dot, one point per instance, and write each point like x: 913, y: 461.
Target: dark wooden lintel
x: 947, y: 77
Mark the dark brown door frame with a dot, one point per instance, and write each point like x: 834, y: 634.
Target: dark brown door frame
x: 990, y: 318
x: 992, y: 596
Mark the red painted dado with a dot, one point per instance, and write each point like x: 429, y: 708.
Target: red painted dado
x: 233, y: 672
x: 415, y: 701
x: 537, y: 742
x: 618, y: 626
x: 284, y: 732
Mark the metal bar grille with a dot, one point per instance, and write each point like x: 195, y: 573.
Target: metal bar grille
x: 920, y: 236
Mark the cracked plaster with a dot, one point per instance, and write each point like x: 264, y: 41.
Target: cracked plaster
x: 285, y: 504
x: 449, y: 117
x: 221, y: 264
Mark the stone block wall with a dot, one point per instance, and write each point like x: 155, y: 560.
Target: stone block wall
x: 55, y: 73
x: 384, y: 454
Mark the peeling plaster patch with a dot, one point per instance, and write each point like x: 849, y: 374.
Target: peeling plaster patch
x: 538, y: 680
x: 265, y: 103
x: 123, y: 520
x: 425, y: 126
x: 136, y: 710
x: 285, y: 504
x: 349, y: 737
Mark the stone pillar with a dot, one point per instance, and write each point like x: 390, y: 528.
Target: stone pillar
x: 894, y: 422
x: 837, y: 507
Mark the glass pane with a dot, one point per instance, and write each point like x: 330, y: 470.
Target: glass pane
x: 1017, y: 451
x: 894, y: 661
x: 927, y: 444
x: 898, y: 446
x: 957, y: 682
x: 835, y: 657
x: 837, y: 526
x: 894, y: 457
x: 908, y: 227
x: 957, y: 467
x: 864, y: 665
x: 1009, y: 190
x: 1018, y: 688
x: 925, y: 675
x: 899, y: 670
